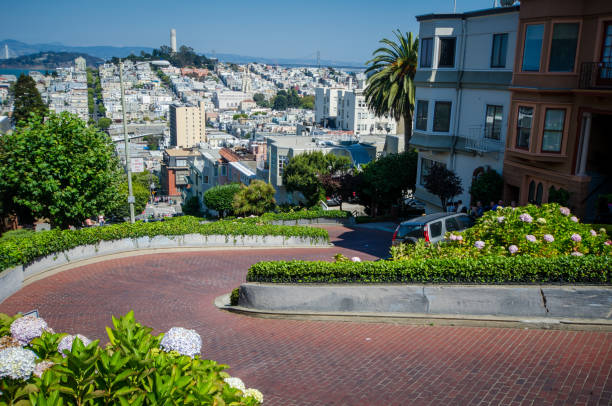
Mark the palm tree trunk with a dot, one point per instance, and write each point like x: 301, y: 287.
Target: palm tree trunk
x: 407, y: 130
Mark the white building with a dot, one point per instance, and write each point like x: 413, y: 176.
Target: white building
x: 229, y: 100
x: 80, y: 64
x: 462, y: 97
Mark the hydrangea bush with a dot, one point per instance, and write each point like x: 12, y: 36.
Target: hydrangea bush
x: 538, y: 231
x: 39, y: 367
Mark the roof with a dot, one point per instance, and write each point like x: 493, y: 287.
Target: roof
x: 475, y: 13
x: 180, y: 152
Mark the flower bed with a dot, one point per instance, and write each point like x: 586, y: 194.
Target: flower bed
x: 19, y: 251
x: 40, y: 367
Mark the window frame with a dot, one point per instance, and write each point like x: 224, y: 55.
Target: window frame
x: 416, y: 122
x: 422, y: 63
x: 501, y: 123
x: 450, y: 115
x: 550, y: 27
x: 516, y: 127
x: 523, y: 39
x: 440, y: 39
x: 499, y: 35
x: 562, y: 131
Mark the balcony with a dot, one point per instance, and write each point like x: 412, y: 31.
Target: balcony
x: 596, y: 75
x: 481, y: 140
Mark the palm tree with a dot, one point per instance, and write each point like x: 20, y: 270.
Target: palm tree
x: 390, y: 88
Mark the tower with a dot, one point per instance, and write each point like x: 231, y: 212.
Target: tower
x: 246, y: 80
x: 173, y: 39
x: 6, y: 52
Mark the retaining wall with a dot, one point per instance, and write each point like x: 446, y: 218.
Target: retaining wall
x: 589, y: 302
x: 13, y: 279
x: 319, y: 220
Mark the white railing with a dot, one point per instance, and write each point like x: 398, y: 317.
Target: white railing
x: 478, y: 141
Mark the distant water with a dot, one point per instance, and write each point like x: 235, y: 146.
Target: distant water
x: 18, y: 72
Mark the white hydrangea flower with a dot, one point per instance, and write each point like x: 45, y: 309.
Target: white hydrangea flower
x: 65, y: 343
x: 17, y: 363
x: 254, y: 393
x: 356, y: 259
x: 27, y: 328
x: 183, y: 341
x: 235, y: 383
x: 41, y: 367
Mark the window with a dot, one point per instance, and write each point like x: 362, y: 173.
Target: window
x: 606, y: 54
x: 223, y: 170
x: 553, y: 130
x: 181, y: 162
x: 523, y: 126
x: 533, y: 47
x: 530, y: 198
x: 563, y: 47
x: 206, y: 179
x: 442, y: 113
x: 426, y: 52
x: 426, y: 165
x: 465, y: 222
x: 282, y: 162
x: 493, y: 122
x: 421, y: 116
x: 539, y: 193
x: 447, y: 52
x: 498, y: 53
x: 435, y: 229
x: 451, y: 224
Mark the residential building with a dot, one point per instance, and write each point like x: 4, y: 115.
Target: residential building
x: 80, y: 64
x: 229, y: 100
x: 462, y: 97
x: 175, y: 170
x: 187, y: 125
x: 561, y: 111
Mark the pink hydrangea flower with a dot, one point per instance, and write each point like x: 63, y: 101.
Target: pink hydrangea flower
x: 576, y: 237
x: 593, y: 233
x: 526, y: 218
x: 565, y: 211
x: 609, y: 242
x: 531, y: 238
x: 574, y: 219
x: 513, y: 249
x: 41, y: 367
x: 548, y: 238
x: 479, y: 244
x: 26, y: 328
x: 65, y: 343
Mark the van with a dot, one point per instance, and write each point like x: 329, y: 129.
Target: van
x: 431, y: 228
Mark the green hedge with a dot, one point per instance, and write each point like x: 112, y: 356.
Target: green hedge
x: 18, y: 251
x: 484, y: 270
x: 306, y: 214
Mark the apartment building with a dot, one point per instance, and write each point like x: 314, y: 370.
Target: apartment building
x: 462, y: 97
x: 561, y: 108
x: 175, y: 171
x: 187, y: 125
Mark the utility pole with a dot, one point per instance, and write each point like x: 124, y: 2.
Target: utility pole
x: 128, y: 163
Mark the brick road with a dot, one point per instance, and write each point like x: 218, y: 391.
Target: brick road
x: 327, y: 363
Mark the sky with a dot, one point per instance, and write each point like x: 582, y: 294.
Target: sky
x: 342, y: 30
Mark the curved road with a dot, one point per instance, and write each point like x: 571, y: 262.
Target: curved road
x: 326, y: 363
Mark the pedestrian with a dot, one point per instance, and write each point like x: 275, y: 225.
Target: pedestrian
x: 101, y: 219
x: 460, y: 207
x: 479, y: 209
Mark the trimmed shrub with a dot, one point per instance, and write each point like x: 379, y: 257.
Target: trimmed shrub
x: 234, y: 296
x: 483, y: 270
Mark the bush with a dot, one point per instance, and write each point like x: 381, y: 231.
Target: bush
x: 220, y: 198
x: 487, y: 187
x: 24, y: 250
x: 255, y: 199
x: 483, y: 270
x: 191, y: 207
x: 306, y: 214
x: 234, y: 296
x: 135, y: 368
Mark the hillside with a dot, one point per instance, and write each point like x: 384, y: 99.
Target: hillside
x: 18, y: 48
x: 47, y: 60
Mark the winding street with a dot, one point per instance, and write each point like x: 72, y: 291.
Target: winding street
x: 298, y: 362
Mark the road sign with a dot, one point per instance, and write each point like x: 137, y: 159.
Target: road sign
x: 137, y: 165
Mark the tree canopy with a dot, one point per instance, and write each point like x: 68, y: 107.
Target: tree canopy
x: 256, y: 199
x: 303, y: 173
x: 184, y: 57
x: 60, y: 169
x: 443, y: 183
x: 27, y: 100
x: 390, y: 88
x: 487, y: 187
x: 220, y: 198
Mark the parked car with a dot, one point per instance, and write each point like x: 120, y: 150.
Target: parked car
x: 431, y: 228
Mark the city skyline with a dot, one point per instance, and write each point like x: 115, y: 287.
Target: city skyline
x: 342, y: 31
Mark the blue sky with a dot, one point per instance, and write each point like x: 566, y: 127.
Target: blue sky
x: 343, y: 30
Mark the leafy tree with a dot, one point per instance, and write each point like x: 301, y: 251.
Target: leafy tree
x: 307, y: 102
x: 59, y: 169
x: 104, y: 123
x: 141, y: 198
x: 257, y: 199
x: 384, y: 182
x: 26, y: 100
x: 390, y: 88
x: 191, y: 207
x: 488, y: 187
x: 560, y: 196
x: 220, y: 198
x: 443, y: 183
x: 280, y: 102
x: 303, y: 173
x: 258, y: 98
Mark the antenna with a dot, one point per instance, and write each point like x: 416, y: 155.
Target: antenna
x: 455, y: 7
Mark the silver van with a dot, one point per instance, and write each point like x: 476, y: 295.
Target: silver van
x: 431, y: 228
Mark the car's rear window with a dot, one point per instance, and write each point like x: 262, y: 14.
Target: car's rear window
x: 411, y: 230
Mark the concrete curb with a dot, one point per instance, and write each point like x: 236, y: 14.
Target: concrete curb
x: 545, y: 302
x: 13, y: 279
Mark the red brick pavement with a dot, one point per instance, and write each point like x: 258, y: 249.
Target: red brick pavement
x: 327, y: 363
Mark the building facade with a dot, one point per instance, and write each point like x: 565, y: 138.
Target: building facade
x: 187, y: 125
x: 561, y: 110
x: 462, y: 97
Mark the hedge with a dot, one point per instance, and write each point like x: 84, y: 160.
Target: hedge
x: 20, y: 251
x: 484, y: 270
x: 306, y: 214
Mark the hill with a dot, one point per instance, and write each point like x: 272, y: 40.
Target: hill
x: 18, y: 48
x: 48, y: 60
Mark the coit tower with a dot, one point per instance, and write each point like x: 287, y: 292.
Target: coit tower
x: 173, y: 39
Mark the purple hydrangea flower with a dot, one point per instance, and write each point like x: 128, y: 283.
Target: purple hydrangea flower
x: 531, y: 238
x: 609, y: 242
x: 576, y: 237
x: 548, y: 238
x: 501, y: 219
x: 577, y: 254
x: 526, y: 218
x: 17, y: 363
x: 513, y: 249
x: 41, y: 367
x: 574, y: 219
x: 65, y: 343
x: 479, y: 244
x: 27, y: 328
x: 184, y: 341
x: 593, y: 233
x: 565, y: 211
